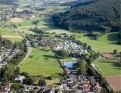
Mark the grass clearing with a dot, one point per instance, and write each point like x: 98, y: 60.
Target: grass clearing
x: 108, y: 67
x: 41, y: 63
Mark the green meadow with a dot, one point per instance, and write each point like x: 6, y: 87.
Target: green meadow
x: 108, y: 67
x: 8, y: 32
x: 41, y: 63
x: 105, y: 43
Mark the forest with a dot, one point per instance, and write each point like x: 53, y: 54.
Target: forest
x: 93, y: 15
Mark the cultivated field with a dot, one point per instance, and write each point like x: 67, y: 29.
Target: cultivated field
x: 115, y: 82
x: 16, y: 20
x: 108, y: 67
x: 41, y: 63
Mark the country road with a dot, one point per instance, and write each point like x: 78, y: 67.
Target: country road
x: 27, y: 55
x: 29, y: 49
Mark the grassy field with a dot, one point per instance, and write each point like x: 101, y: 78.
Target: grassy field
x: 105, y: 43
x: 41, y: 63
x: 8, y: 32
x: 108, y: 67
x: 15, y: 39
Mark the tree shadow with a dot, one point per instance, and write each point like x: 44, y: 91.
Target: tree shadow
x: 49, y: 56
x: 115, y: 64
x: 59, y: 74
x: 113, y: 37
x: 57, y: 83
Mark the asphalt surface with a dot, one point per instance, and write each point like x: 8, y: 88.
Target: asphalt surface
x: 29, y: 49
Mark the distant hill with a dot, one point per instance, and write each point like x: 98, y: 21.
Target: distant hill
x: 8, y: 2
x: 91, y: 15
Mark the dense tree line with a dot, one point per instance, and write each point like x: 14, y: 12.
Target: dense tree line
x: 36, y: 30
x: 102, y: 15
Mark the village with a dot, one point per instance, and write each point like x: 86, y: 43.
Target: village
x: 75, y: 82
x: 24, y: 16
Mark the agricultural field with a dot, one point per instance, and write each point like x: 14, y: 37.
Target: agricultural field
x: 105, y: 43
x: 108, y: 67
x: 41, y: 63
x: 16, y: 20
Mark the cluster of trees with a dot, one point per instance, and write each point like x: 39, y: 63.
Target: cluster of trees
x: 5, y: 43
x: 22, y: 52
x: 101, y: 15
x: 36, y: 30
x: 7, y: 72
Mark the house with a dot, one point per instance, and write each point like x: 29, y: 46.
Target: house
x: 82, y: 78
x: 67, y: 70
x: 52, y: 90
x: 5, y: 89
x: 85, y: 86
x: 73, y: 91
x: 74, y: 84
x: 19, y: 78
x: 96, y: 87
x: 46, y: 90
x: 64, y: 83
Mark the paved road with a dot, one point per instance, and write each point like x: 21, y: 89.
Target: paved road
x: 27, y: 55
x: 29, y: 48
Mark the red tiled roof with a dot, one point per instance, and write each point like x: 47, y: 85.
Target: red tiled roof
x: 107, y: 55
x: 86, y: 85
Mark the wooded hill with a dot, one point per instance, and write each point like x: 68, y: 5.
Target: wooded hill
x: 8, y: 2
x: 101, y: 15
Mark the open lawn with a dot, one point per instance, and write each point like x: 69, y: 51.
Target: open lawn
x: 41, y: 63
x: 105, y: 43
x: 108, y: 67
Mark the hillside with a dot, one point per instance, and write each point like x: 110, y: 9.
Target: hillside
x: 101, y: 15
x: 8, y: 2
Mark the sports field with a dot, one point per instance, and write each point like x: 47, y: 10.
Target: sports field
x: 108, y: 67
x: 41, y: 63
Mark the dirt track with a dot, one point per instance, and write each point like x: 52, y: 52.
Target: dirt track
x: 115, y: 82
